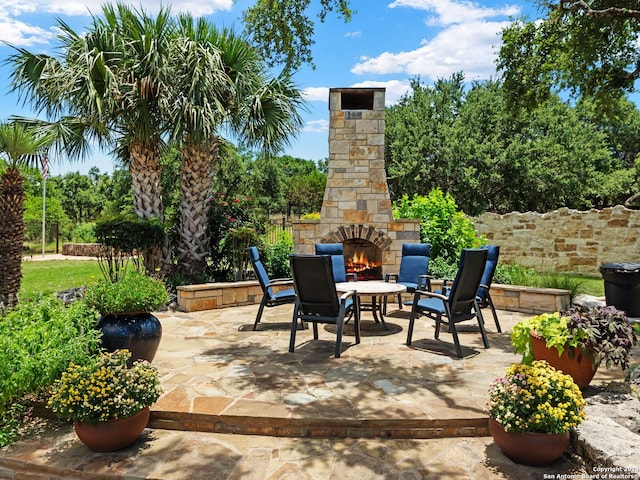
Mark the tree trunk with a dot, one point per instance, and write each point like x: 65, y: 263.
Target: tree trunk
x: 196, y: 175
x: 11, y: 234
x: 147, y: 201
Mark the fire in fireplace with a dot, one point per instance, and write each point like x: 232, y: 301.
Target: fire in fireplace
x: 364, y: 258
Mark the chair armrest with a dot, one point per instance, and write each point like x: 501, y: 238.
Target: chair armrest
x: 428, y: 293
x: 280, y: 281
x: 346, y: 295
x: 446, y: 281
x: 390, y: 276
x: 424, y: 282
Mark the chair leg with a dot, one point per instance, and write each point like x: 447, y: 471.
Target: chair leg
x: 456, y: 341
x: 483, y: 332
x: 356, y: 316
x: 294, y: 328
x: 339, y: 325
x: 412, y: 319
x: 493, y: 311
x: 453, y: 330
x: 260, y: 310
x: 315, y: 330
x: 438, y: 322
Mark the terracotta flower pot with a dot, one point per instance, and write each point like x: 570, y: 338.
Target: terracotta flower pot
x: 529, y: 448
x: 572, y: 361
x: 112, y: 435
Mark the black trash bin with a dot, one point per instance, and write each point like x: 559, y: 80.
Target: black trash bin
x: 622, y: 286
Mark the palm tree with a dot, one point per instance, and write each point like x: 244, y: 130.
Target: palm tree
x: 111, y: 79
x: 219, y: 82
x: 19, y: 146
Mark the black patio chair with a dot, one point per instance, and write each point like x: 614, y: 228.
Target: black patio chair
x: 414, y: 266
x: 484, y: 296
x: 317, y: 300
x: 270, y: 297
x: 457, y: 303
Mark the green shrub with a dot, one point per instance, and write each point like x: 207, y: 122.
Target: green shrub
x: 134, y: 292
x: 85, y: 233
x: 277, y: 256
x: 442, y: 225
x: 38, y: 340
x: 440, y: 268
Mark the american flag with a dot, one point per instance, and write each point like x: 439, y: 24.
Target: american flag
x: 44, y: 163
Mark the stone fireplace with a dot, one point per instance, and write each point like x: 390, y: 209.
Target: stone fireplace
x: 356, y: 208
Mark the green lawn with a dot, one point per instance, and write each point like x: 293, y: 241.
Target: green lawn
x: 48, y: 276
x: 41, y: 277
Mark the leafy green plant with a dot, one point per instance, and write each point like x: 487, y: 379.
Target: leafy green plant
x: 440, y: 268
x: 277, y: 256
x: 105, y: 389
x: 608, y: 333
x: 536, y: 398
x: 447, y: 229
x: 604, y: 331
x: 134, y: 292
x: 85, y: 233
x: 551, y: 326
x: 38, y: 339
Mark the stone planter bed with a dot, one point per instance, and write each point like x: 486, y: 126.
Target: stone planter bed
x: 209, y: 296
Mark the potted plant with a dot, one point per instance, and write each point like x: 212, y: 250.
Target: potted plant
x: 107, y: 400
x: 125, y: 307
x: 532, y: 409
x: 576, y: 340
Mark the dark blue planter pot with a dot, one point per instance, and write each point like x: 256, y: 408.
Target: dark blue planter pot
x: 140, y: 333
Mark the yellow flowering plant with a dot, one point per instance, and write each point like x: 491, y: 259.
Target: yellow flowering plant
x: 536, y: 398
x: 105, y: 389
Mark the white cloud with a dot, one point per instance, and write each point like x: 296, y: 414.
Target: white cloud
x: 353, y: 34
x: 20, y: 34
x: 394, y: 89
x: 468, y: 47
x: 448, y: 12
x: 316, y: 126
x: 71, y: 7
x: 316, y: 94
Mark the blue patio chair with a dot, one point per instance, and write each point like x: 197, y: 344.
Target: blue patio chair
x: 317, y: 300
x: 335, y: 250
x: 484, y: 297
x: 414, y: 264
x: 458, y: 304
x: 270, y: 297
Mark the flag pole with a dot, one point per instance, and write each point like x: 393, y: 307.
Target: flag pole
x: 43, y: 162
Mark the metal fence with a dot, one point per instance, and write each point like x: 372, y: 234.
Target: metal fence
x: 277, y: 228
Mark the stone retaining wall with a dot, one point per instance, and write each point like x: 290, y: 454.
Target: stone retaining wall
x: 565, y: 240
x: 209, y: 296
x: 81, y: 249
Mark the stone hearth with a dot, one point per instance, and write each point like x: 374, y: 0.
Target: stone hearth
x: 356, y: 203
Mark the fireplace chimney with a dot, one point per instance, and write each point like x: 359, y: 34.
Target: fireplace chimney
x: 356, y: 206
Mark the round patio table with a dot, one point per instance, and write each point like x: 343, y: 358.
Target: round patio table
x: 376, y: 290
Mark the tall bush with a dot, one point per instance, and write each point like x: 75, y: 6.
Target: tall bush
x: 442, y: 224
x: 38, y: 340
x: 277, y: 256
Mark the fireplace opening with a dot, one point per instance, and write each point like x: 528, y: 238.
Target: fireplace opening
x: 364, y: 258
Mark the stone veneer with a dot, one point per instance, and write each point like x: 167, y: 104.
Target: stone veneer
x: 210, y: 296
x: 356, y: 203
x: 565, y: 240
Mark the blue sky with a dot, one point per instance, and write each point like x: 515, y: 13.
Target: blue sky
x: 385, y: 45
